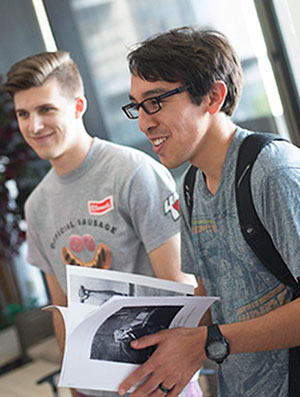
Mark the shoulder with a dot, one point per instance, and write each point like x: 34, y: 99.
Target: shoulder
x: 278, y: 155
x: 276, y: 172
x: 41, y: 191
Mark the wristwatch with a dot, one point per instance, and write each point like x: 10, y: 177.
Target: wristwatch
x: 217, y: 347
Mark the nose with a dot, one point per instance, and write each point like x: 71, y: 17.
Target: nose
x: 35, y: 123
x: 147, y: 121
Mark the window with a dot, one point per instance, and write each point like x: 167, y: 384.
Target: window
x: 108, y: 28
x: 288, y: 12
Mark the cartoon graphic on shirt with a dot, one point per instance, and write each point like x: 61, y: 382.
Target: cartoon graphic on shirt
x: 77, y: 244
x: 171, y: 204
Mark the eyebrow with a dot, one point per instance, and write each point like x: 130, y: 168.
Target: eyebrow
x: 150, y: 93
x: 19, y: 110
x: 37, y: 108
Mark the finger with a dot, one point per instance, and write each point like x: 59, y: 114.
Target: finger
x: 146, y: 341
x: 147, y: 389
x: 137, y: 376
x: 154, y: 386
x: 163, y: 388
x: 173, y: 392
x: 150, y: 387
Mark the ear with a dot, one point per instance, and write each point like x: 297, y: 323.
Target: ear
x: 80, y: 107
x: 216, y: 97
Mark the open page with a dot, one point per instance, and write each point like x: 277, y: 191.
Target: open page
x: 89, y: 288
x: 98, y: 353
x: 107, y: 310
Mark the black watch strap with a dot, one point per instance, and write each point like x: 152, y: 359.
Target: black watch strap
x: 214, y: 332
x: 217, y: 347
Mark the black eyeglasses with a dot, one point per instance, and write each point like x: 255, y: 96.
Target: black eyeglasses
x: 150, y: 105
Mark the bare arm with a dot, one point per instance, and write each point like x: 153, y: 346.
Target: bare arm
x: 58, y: 297
x: 200, y: 291
x: 276, y: 330
x: 180, y: 351
x: 165, y: 262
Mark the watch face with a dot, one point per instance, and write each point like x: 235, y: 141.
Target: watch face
x: 217, y: 350
x: 217, y: 347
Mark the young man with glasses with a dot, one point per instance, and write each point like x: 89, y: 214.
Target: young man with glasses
x: 101, y: 205
x: 185, y: 86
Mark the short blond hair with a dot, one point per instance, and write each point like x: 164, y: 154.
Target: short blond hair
x: 35, y: 70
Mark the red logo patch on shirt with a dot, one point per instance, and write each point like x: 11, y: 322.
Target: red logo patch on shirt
x: 171, y: 205
x: 101, y: 207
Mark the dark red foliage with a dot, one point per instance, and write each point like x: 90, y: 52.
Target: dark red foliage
x: 20, y: 167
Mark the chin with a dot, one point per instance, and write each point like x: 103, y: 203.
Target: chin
x: 44, y: 156
x: 169, y: 163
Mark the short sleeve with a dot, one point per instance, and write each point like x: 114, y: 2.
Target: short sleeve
x: 276, y: 194
x: 153, y: 204
x: 35, y: 248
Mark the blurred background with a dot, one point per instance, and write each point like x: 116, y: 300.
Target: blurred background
x: 99, y: 34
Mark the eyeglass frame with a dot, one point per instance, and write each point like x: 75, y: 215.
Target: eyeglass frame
x: 158, y: 98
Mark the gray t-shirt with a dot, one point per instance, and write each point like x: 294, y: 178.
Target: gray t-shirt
x: 215, y: 250
x: 111, y: 212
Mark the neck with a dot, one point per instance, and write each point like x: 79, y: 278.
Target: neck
x: 214, y: 149
x: 74, y: 155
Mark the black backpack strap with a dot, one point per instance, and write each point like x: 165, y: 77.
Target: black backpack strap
x: 188, y: 188
x: 294, y: 370
x: 253, y: 230
x: 259, y: 239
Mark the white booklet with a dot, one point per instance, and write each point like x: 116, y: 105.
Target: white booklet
x: 109, y: 309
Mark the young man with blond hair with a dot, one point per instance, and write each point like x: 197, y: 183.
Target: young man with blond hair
x: 101, y: 205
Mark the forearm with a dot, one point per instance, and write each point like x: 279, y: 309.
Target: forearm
x: 165, y: 262
x: 200, y: 291
x: 58, y: 298
x: 273, y: 331
x: 186, y: 278
x: 59, y: 330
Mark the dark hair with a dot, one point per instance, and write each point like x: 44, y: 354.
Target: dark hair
x: 198, y: 57
x: 35, y: 70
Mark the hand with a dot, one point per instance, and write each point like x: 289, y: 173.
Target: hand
x: 179, y: 354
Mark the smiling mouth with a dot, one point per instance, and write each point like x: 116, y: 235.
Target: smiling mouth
x: 38, y: 138
x: 159, y: 141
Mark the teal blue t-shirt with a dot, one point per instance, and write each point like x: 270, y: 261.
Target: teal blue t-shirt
x: 214, y: 249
